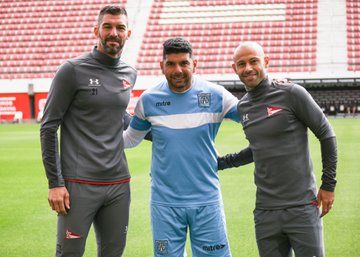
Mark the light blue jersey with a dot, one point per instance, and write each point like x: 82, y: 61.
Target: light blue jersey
x: 184, y: 127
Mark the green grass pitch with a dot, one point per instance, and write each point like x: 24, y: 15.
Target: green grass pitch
x: 28, y: 226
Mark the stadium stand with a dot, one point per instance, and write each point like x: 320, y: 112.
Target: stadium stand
x: 353, y: 34
x: 315, y: 43
x: 37, y: 36
x: 286, y: 29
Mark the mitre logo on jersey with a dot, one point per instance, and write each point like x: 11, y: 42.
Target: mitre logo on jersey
x: 271, y: 110
x: 94, y: 82
x: 212, y: 248
x: 204, y: 100
x: 163, y: 103
x: 126, y: 84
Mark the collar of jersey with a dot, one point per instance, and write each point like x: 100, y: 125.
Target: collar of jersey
x: 105, y: 59
x: 260, y: 89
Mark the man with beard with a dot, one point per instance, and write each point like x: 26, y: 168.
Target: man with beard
x: 184, y: 114
x: 276, y: 118
x: 88, y: 176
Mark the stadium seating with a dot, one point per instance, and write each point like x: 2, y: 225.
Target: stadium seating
x: 338, y: 101
x: 37, y: 36
x: 353, y: 34
x: 286, y: 29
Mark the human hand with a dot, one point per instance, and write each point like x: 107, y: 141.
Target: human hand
x: 325, y: 199
x: 281, y: 81
x: 59, y: 200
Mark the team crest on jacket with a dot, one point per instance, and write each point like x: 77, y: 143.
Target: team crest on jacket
x: 161, y: 247
x: 204, y: 99
x: 272, y: 110
x: 126, y: 84
x: 71, y: 235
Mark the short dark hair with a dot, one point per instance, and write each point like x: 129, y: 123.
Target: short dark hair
x: 111, y: 9
x: 176, y: 45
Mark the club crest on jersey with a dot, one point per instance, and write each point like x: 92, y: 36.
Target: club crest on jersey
x: 71, y: 235
x: 204, y: 100
x: 161, y: 247
x: 126, y: 84
x: 94, y: 82
x: 271, y: 110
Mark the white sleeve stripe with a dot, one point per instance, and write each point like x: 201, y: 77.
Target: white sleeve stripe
x: 133, y: 137
x: 229, y: 101
x: 139, y: 109
x: 187, y: 120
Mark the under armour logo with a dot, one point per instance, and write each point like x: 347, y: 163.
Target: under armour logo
x: 94, y: 82
x: 245, y: 118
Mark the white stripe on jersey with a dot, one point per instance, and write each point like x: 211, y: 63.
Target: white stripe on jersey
x: 139, y: 109
x: 186, y: 120
x: 229, y: 101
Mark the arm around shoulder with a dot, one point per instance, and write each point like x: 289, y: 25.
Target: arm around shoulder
x: 241, y: 158
x: 133, y: 137
x: 127, y: 120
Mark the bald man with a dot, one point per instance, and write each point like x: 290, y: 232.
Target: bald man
x: 275, y: 119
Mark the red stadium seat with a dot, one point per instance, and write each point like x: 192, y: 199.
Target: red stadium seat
x: 353, y: 34
x: 42, y: 34
x: 291, y: 42
x: 48, y: 27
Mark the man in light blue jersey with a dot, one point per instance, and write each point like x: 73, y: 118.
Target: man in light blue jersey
x: 184, y: 114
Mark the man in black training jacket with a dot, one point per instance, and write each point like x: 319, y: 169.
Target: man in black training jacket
x: 88, y: 176
x: 275, y: 119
